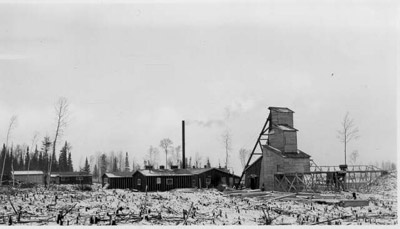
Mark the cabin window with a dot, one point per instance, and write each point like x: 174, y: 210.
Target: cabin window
x: 170, y: 181
x: 158, y: 180
x: 63, y: 179
x: 79, y: 178
x: 208, y: 180
x: 236, y: 180
x: 194, y: 182
x: 106, y: 180
x: 139, y: 181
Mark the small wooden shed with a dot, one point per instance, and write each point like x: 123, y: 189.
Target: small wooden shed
x: 71, y: 178
x: 117, y: 180
x: 36, y: 177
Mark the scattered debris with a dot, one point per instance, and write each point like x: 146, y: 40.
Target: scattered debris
x: 65, y: 205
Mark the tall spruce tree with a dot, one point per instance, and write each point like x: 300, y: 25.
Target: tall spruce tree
x: 127, y: 168
x: 115, y: 165
x: 103, y: 164
x: 54, y: 163
x: 95, y: 172
x: 35, y: 160
x: 63, y: 159
x: 2, y: 155
x: 86, y: 168
x: 46, y: 143
x: 27, y: 159
x: 40, y: 162
x: 69, y: 161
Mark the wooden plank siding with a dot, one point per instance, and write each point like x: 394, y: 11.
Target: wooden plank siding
x: 120, y: 182
x: 208, y: 179
x: 74, y: 180
x: 252, y: 175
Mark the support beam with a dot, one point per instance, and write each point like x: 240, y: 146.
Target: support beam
x: 262, y: 133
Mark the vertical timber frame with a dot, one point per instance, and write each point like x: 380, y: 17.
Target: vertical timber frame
x: 261, y: 137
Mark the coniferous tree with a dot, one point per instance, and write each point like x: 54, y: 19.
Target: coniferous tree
x: 46, y: 143
x: 103, y: 164
x: 35, y: 160
x: 208, y: 163
x: 54, y: 164
x: 63, y: 159
x: 127, y: 163
x: 40, y: 162
x: 115, y: 165
x: 70, y: 166
x: 27, y: 159
x: 21, y: 165
x: 45, y: 165
x: 86, y: 168
x: 95, y: 172
x: 2, y: 155
x: 11, y: 159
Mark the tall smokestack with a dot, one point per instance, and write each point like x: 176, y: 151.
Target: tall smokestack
x: 183, y: 145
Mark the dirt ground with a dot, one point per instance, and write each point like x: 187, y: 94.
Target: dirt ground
x: 67, y: 206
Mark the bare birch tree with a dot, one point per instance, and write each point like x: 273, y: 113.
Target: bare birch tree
x: 347, y: 133
x: 165, y: 144
x: 227, y: 142
x: 152, y: 156
x: 354, y: 156
x: 34, y: 141
x: 197, y: 160
x: 11, y: 126
x: 243, y: 156
x: 61, y: 109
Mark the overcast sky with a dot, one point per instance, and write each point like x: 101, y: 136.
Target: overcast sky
x: 132, y: 72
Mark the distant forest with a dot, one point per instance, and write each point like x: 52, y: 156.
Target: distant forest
x: 20, y: 157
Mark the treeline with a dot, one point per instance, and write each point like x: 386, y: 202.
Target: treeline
x: 101, y: 163
x: 385, y: 165
x: 21, y: 157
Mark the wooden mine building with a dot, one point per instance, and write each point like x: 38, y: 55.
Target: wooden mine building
x: 280, y: 155
x: 167, y: 179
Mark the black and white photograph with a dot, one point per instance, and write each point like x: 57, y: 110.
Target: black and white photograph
x: 212, y: 113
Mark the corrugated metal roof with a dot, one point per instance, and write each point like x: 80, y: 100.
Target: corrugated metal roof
x: 281, y: 109
x: 33, y: 172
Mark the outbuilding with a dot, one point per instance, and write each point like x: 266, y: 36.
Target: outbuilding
x: 36, y: 177
x: 117, y: 180
x: 71, y: 178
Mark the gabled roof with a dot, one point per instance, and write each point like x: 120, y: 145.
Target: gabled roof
x: 177, y: 172
x: 118, y: 174
x: 25, y: 172
x: 281, y: 109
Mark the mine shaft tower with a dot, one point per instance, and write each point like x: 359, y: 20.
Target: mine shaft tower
x: 281, y: 166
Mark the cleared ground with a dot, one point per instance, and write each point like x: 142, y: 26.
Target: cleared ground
x: 64, y: 204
